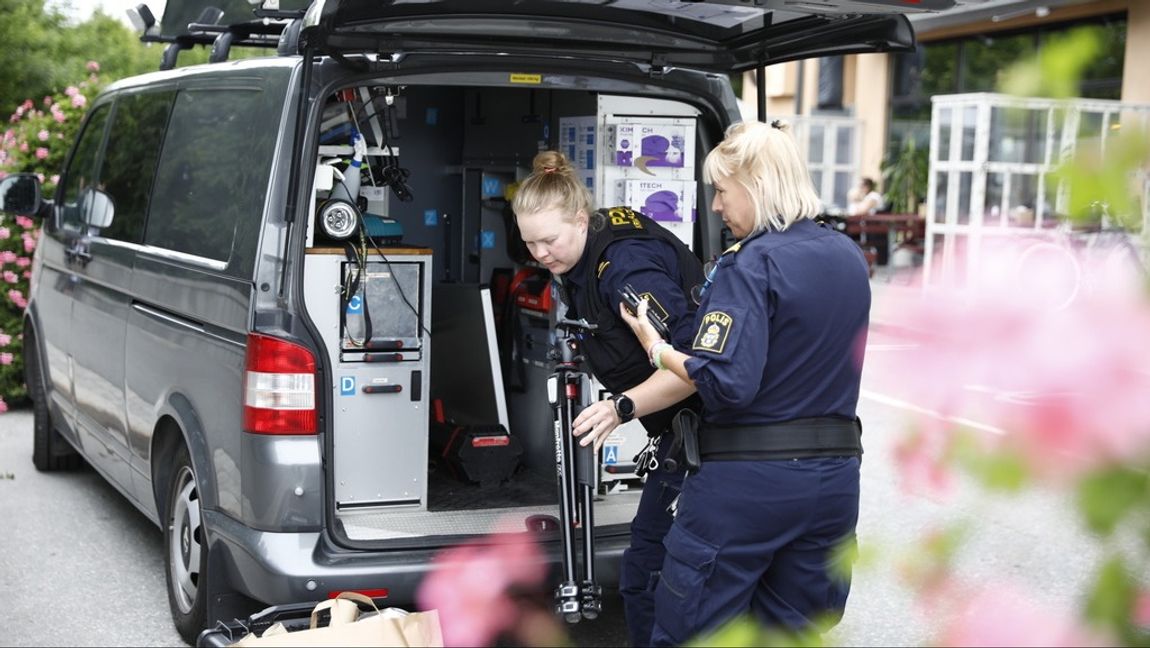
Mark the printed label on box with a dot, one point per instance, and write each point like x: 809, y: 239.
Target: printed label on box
x: 651, y: 145
x: 660, y: 200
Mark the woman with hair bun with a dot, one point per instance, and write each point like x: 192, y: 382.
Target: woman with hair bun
x: 592, y: 255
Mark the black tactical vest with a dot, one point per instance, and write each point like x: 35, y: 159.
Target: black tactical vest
x: 614, y: 354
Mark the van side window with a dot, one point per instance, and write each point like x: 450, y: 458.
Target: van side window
x: 214, y: 170
x: 81, y: 173
x: 129, y: 167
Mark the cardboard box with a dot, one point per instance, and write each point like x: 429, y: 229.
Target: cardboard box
x: 660, y: 200
x: 654, y: 145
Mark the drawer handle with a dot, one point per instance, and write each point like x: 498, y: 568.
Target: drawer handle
x: 382, y: 389
x: 382, y: 357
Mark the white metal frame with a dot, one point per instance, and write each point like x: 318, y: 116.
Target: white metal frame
x: 829, y: 165
x: 960, y: 144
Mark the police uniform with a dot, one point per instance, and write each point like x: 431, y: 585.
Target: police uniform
x: 630, y: 248
x: 777, y: 360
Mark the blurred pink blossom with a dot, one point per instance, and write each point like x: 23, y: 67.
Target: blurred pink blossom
x: 25, y: 222
x: 3, y: 405
x: 26, y: 274
x: 41, y: 153
x: 1001, y: 614
x: 1061, y: 366
x: 23, y: 262
x: 471, y: 582
x: 11, y: 277
x: 17, y: 298
x: 5, y: 339
x: 42, y: 135
x: 71, y: 91
x: 93, y: 66
x: 5, y: 358
x: 23, y: 147
x: 1141, y: 616
x: 29, y: 243
x: 47, y: 100
x: 7, y: 256
x: 55, y: 178
x: 5, y: 233
x: 79, y: 100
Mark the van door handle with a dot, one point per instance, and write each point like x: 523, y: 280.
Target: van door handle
x: 76, y: 255
x: 382, y: 389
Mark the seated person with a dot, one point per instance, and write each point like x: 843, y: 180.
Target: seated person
x: 863, y: 199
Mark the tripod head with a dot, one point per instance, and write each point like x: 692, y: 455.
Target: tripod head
x: 567, y: 334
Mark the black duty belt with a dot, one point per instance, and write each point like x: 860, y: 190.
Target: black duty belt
x: 810, y: 437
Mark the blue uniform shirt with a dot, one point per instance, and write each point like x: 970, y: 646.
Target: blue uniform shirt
x: 651, y: 267
x: 781, y: 328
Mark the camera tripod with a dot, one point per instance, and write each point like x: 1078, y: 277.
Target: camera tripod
x: 568, y: 389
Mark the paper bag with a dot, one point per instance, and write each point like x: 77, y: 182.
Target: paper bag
x: 390, y: 627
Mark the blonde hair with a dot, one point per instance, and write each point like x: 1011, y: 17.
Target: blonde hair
x: 552, y: 184
x: 764, y: 159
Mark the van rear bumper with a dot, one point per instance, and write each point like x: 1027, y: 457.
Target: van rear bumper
x: 278, y: 568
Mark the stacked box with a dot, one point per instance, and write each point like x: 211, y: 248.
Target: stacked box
x: 660, y: 200
x: 653, y: 145
x: 578, y: 137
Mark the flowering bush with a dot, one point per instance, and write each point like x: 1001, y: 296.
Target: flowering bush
x: 36, y: 139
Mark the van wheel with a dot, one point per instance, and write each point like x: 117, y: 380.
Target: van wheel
x: 50, y: 451
x: 186, y: 552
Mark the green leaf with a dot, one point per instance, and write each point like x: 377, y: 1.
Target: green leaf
x: 1105, y: 497
x: 1057, y: 68
x: 996, y: 469
x: 1111, y: 599
x: 745, y: 631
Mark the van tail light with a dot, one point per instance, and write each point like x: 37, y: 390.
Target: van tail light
x: 279, y: 387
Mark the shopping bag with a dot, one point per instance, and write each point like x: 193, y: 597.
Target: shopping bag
x: 349, y: 627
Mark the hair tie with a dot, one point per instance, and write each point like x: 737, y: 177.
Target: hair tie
x: 776, y: 124
x: 550, y: 169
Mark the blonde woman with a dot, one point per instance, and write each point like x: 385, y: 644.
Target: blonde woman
x: 777, y: 359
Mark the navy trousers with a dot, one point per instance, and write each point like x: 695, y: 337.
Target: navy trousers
x: 643, y: 559
x: 758, y: 537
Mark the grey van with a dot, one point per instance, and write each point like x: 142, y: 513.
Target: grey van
x: 275, y: 395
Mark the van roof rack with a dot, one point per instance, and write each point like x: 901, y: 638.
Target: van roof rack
x: 266, y: 30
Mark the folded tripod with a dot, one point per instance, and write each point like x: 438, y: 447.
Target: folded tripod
x: 568, y: 389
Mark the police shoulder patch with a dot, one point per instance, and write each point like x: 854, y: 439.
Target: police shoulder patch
x: 713, y: 332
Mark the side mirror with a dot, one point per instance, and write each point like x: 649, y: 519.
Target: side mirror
x: 20, y: 195
x: 97, y: 208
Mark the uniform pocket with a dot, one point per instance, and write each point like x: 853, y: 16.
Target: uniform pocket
x: 689, y: 564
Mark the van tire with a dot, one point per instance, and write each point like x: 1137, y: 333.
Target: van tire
x: 185, y: 549
x: 50, y: 452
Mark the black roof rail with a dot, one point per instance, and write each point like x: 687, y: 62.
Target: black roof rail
x: 265, y: 31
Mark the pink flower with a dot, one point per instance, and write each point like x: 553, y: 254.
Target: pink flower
x: 11, y: 277
x: 55, y: 178
x: 23, y: 262
x: 5, y: 339
x: 27, y: 105
x: 26, y: 274
x: 71, y: 91
x: 23, y: 147
x: 29, y: 244
x: 470, y: 586
x: 47, y: 100
x: 7, y: 256
x: 42, y: 135
x: 3, y: 405
x: 5, y: 358
x: 17, y: 298
x: 79, y: 100
x: 999, y: 614
x: 25, y: 222
x: 41, y: 153
x: 1056, y: 364
x: 5, y: 233
x: 1141, y: 616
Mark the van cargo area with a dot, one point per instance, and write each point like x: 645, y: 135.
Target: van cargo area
x: 441, y: 420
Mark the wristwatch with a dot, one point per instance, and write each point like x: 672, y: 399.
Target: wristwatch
x: 624, y: 407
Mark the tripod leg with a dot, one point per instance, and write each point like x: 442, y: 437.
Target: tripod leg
x: 567, y: 602
x: 588, y: 480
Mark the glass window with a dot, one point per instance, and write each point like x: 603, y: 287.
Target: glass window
x: 134, y: 142
x: 985, y: 57
x: 81, y: 173
x: 213, y: 171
